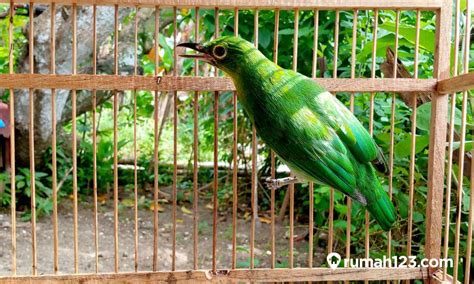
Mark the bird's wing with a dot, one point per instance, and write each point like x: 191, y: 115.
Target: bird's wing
x: 314, y: 149
x: 347, y: 127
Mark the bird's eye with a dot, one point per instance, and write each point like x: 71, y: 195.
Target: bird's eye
x: 219, y: 51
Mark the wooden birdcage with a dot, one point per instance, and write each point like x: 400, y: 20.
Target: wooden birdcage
x: 441, y: 86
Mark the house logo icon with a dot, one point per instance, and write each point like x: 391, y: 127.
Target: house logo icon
x: 333, y: 260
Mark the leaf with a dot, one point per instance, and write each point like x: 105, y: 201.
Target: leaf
x: 409, y: 33
x: 418, y: 217
x: 423, y: 117
x: 186, y: 210
x: 382, y: 44
x: 159, y: 207
x: 403, y: 200
x: 403, y: 148
x: 210, y: 206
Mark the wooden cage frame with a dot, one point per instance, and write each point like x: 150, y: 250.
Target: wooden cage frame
x: 442, y: 85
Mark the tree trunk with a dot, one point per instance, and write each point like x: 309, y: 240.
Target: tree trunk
x: 105, y: 63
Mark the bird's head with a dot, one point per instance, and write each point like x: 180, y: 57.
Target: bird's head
x: 227, y: 53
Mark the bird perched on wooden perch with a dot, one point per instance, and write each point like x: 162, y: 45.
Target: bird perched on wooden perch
x: 307, y: 127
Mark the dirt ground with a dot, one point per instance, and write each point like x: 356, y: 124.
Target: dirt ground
x: 184, y: 240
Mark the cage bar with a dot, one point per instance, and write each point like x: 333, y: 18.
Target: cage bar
x: 234, y: 159
x: 94, y: 138
x: 175, y: 148
x: 371, y: 119
x: 53, y: 140
x: 216, y: 156
x: 156, y: 46
x: 266, y: 4
x: 467, y: 42
x: 459, y: 194
x: 196, y: 154
x: 353, y: 65
x: 239, y: 275
x: 31, y: 136
x: 115, y: 114
x: 437, y: 145
x: 74, y: 139
x: 135, y: 146
x: 331, y: 189
x: 272, y: 153
x: 392, y: 129
x: 254, y: 181
x: 291, y: 187
x: 11, y: 105
x: 188, y: 83
x: 413, y: 140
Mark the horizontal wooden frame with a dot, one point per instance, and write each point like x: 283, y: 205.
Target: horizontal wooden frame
x: 455, y: 84
x: 184, y: 83
x: 237, y: 275
x: 261, y: 4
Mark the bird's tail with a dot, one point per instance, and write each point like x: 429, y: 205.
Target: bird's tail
x: 381, y: 208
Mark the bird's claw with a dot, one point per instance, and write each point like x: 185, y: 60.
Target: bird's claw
x: 274, y: 183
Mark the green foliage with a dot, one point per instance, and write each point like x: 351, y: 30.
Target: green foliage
x: 20, y: 40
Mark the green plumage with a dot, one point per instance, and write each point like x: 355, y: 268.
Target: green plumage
x: 307, y: 127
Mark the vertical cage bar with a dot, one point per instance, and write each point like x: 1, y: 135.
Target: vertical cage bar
x: 31, y: 135
x: 53, y: 140
x: 11, y: 105
x: 155, y: 150
x: 94, y: 138
x: 331, y: 190
x: 413, y: 138
x: 467, y: 38
x: 371, y: 121
x: 272, y: 153
x: 460, y: 187
x: 135, y: 147
x: 74, y: 138
x: 467, y: 45
x: 450, y: 173
x: 392, y: 129
x: 234, y: 160
x: 115, y: 110
x: 311, y: 185
x: 196, y: 154
x: 315, y: 42
x: 175, y: 147
x: 353, y: 65
x: 437, y: 145
x: 295, y: 41
x: 336, y: 43
x: 254, y: 164
x: 216, y: 156
x: 311, y: 224
x: 459, y: 193
x: 291, y: 187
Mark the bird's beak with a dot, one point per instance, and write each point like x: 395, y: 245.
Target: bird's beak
x: 203, y: 54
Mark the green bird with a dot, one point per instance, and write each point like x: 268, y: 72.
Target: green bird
x: 308, y: 128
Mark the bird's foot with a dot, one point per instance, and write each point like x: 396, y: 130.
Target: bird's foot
x: 273, y: 183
